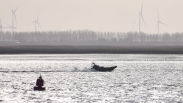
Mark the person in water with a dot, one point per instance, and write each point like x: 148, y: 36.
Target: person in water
x: 40, y: 82
x: 94, y: 65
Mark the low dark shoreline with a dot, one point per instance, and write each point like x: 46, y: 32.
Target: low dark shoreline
x: 63, y: 49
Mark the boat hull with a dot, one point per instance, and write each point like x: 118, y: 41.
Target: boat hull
x: 104, y: 69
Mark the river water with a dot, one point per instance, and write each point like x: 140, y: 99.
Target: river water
x: 139, y: 78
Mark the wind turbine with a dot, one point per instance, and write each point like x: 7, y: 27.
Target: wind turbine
x: 159, y: 22
x: 141, y: 16
x: 36, y: 23
x: 13, y: 17
x: 1, y: 25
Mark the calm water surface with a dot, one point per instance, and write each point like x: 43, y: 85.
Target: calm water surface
x: 68, y: 78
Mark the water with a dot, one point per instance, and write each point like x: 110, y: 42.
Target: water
x: 68, y: 78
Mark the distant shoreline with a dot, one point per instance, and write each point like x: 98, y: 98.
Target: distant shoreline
x: 90, y: 49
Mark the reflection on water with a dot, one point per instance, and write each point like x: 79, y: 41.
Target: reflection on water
x: 72, y: 81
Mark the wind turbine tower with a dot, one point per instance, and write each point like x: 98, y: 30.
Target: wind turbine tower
x: 13, y: 18
x: 36, y: 23
x: 141, y: 16
x: 159, y: 22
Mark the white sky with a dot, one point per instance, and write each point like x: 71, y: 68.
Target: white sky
x: 97, y: 15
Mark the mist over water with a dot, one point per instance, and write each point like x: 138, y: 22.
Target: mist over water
x: 69, y: 79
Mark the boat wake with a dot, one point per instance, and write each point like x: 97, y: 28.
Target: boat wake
x: 83, y: 70
x: 75, y: 69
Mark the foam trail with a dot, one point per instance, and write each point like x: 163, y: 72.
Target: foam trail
x: 85, y: 69
x: 75, y: 69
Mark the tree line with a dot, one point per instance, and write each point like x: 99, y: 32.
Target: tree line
x: 90, y: 36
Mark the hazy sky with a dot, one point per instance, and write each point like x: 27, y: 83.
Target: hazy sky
x: 97, y: 15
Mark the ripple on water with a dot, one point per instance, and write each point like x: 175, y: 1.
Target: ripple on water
x: 73, y: 81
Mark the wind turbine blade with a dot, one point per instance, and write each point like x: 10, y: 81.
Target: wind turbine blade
x: 5, y: 23
x: 162, y: 23
x: 143, y: 19
x: 156, y: 28
x: 10, y: 9
x: 39, y: 25
x: 158, y: 14
x: 134, y: 20
x: 37, y: 16
x: 16, y: 9
x: 32, y: 22
x: 142, y: 6
x: 134, y: 23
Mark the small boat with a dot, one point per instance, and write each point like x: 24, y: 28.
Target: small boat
x: 102, y: 69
